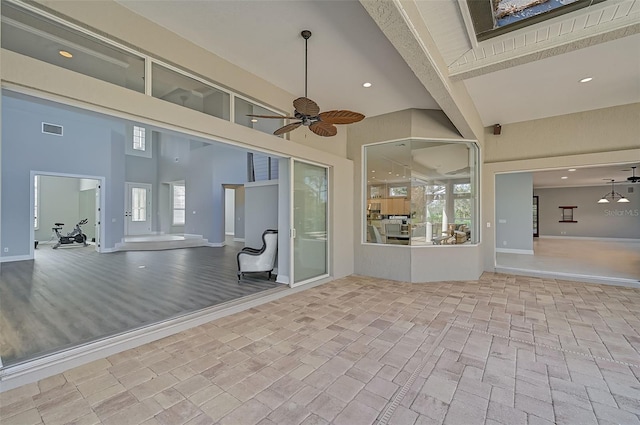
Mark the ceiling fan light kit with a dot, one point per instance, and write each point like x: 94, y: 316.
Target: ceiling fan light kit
x: 308, y: 111
x: 634, y: 178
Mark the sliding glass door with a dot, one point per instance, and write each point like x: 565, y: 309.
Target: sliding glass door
x: 310, y: 227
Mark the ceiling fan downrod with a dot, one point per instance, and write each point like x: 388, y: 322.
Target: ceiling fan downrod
x: 306, y: 34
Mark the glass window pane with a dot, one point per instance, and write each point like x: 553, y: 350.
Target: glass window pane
x: 138, y: 204
x: 310, y: 221
x: 388, y: 195
x: 421, y: 192
x: 178, y: 217
x: 185, y: 91
x: 139, y: 138
x: 31, y: 35
x: 243, y: 108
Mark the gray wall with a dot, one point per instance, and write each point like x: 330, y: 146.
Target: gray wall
x: 612, y: 220
x: 514, y: 216
x: 91, y: 146
x: 59, y: 203
x: 261, y: 210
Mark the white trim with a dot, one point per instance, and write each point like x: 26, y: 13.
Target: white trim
x: 468, y: 24
x: 590, y: 238
x: 601, y: 280
x: 272, y: 182
x: 17, y: 257
x: 115, y: 249
x: 238, y: 239
x: 37, y: 369
x: 216, y: 244
x: 515, y: 251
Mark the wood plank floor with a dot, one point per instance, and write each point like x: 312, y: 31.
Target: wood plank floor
x: 73, y: 295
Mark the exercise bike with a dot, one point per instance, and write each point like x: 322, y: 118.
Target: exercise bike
x: 76, y: 236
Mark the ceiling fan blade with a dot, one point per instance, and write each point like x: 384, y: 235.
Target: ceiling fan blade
x: 341, y: 117
x: 271, y: 116
x: 323, y: 129
x: 287, y: 128
x: 306, y: 106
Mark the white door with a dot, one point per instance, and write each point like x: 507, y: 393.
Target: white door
x: 138, y: 209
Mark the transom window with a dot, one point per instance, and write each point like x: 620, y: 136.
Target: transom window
x: 139, y: 142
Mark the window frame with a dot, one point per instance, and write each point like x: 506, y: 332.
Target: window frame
x: 130, y: 148
x: 173, y: 204
x: 474, y: 180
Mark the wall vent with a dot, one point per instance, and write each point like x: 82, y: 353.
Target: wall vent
x: 54, y: 129
x: 629, y: 190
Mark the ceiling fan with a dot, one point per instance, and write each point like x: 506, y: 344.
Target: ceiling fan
x: 634, y: 178
x: 308, y: 111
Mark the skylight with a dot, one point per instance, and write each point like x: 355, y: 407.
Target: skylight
x: 495, y: 17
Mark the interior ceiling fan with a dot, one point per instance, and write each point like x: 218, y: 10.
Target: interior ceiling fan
x: 634, y: 178
x: 308, y: 111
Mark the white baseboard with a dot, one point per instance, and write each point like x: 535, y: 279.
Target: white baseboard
x: 515, y: 251
x: 15, y: 258
x: 600, y: 280
x: 282, y: 279
x: 590, y: 238
x: 229, y: 233
x: 238, y: 239
x: 108, y: 250
x: 216, y: 244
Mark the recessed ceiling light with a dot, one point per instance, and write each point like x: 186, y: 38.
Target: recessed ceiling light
x: 564, y: 177
x: 586, y: 80
x: 65, y: 54
x: 572, y: 169
x: 373, y: 171
x: 254, y: 120
x: 366, y: 85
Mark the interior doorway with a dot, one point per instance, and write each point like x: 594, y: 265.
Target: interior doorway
x: 229, y: 211
x: 66, y: 199
x: 234, y: 214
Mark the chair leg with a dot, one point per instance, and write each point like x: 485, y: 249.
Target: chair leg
x: 239, y: 276
x: 269, y: 275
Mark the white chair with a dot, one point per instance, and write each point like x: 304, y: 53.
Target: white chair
x: 374, y: 234
x: 259, y: 260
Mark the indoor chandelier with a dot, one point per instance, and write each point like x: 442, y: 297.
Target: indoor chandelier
x: 612, y: 196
